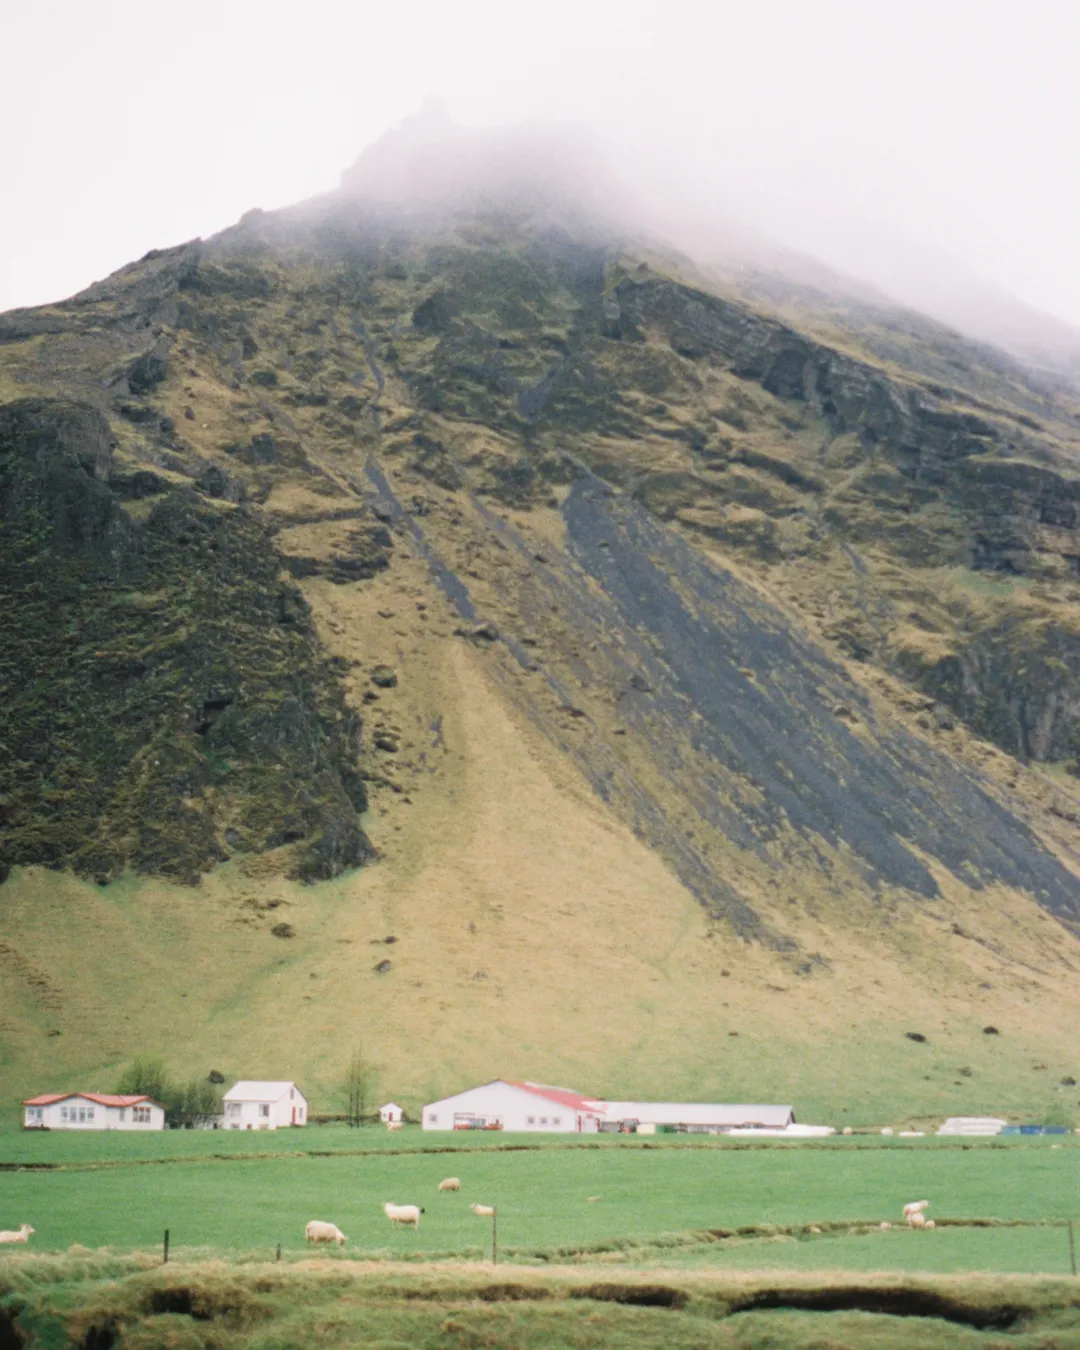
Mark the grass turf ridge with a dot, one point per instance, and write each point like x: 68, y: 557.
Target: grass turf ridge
x: 94, y: 1300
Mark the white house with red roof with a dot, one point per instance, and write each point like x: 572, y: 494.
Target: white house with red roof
x: 508, y: 1105
x: 93, y: 1111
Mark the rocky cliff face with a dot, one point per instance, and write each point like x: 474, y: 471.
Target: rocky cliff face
x: 165, y: 701
x: 315, y: 389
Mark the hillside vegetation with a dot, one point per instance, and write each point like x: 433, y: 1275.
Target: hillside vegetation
x: 491, y: 639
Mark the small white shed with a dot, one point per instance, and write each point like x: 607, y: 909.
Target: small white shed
x: 973, y: 1125
x: 258, y: 1105
x: 93, y: 1111
x: 390, y: 1113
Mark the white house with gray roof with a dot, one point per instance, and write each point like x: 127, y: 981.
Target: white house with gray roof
x: 260, y: 1105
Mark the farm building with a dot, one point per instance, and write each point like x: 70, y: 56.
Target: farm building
x: 93, y: 1111
x: 264, y: 1106
x: 506, y: 1105
x: 391, y: 1113
x: 973, y: 1125
x: 696, y: 1117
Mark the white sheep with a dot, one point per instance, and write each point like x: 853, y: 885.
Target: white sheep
x: 483, y: 1211
x: 318, y: 1231
x: 848, y: 1130
x: 887, y: 1130
x: 930, y: 1223
x: 919, y: 1220
x: 450, y: 1184
x: 884, y: 1225
x: 915, y: 1207
x: 407, y: 1214
x: 393, y: 1124
x: 21, y: 1236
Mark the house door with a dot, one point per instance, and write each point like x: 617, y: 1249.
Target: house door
x: 294, y: 1115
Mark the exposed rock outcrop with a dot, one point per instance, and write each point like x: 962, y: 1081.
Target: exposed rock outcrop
x: 161, y: 685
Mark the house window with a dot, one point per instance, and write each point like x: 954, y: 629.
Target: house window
x: 543, y: 1120
x: 264, y: 1109
x: 234, y: 1108
x: 292, y: 1095
x: 140, y: 1115
x: 35, y: 1113
x: 530, y: 1120
x: 86, y: 1114
x: 123, y: 1114
x: 433, y: 1119
x: 556, y: 1120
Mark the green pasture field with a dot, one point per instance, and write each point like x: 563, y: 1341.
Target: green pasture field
x: 655, y: 1261
x: 655, y: 1205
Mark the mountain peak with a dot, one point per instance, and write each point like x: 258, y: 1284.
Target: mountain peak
x: 430, y: 163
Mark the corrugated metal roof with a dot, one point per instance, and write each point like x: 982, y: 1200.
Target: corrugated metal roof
x: 258, y: 1090
x: 101, y: 1098
x: 701, y: 1113
x: 561, y: 1096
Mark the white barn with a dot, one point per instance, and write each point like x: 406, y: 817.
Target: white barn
x: 258, y: 1105
x: 391, y: 1113
x: 507, y: 1105
x: 93, y: 1111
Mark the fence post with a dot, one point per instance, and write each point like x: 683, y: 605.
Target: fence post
x: 165, y: 1258
x: 1072, y: 1248
x: 278, y: 1257
x: 494, y: 1236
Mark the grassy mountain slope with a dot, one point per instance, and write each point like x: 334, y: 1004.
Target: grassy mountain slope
x: 734, y: 681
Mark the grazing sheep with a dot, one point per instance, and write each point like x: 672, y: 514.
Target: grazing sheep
x: 450, y: 1184
x: 887, y: 1130
x: 930, y: 1223
x: 393, y: 1124
x: 593, y: 1199
x: 483, y: 1211
x: 848, y: 1130
x: 884, y: 1224
x: 915, y: 1207
x: 814, y: 1229
x: 918, y: 1219
x: 21, y: 1236
x: 317, y: 1231
x: 407, y: 1214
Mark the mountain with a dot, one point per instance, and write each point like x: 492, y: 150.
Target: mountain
x: 444, y: 618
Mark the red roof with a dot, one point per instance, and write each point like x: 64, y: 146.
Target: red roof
x: 562, y: 1096
x: 101, y: 1098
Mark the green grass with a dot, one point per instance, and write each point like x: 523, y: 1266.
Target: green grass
x: 655, y: 1203
x: 90, y: 1300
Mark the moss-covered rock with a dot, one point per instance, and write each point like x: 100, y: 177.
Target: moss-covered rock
x: 166, y: 700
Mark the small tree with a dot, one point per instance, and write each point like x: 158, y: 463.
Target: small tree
x: 147, y: 1074
x: 194, y: 1105
x: 360, y: 1084
x: 1059, y: 1113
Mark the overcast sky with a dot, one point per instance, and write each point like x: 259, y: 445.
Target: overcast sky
x: 861, y: 130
